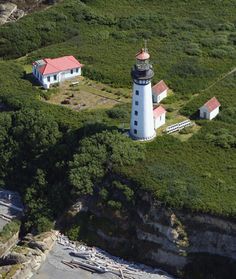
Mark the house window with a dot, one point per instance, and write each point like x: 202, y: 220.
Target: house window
x: 136, y: 103
x: 72, y: 71
x: 55, y: 77
x: 135, y: 131
x: 136, y: 123
x: 48, y: 78
x: 135, y: 112
x: 137, y: 92
x: 77, y: 70
x: 160, y: 118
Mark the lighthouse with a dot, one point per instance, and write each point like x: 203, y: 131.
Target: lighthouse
x: 142, y: 123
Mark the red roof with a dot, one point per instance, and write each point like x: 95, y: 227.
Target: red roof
x: 59, y: 64
x: 142, y: 55
x: 212, y: 104
x: 159, y: 88
x: 158, y: 111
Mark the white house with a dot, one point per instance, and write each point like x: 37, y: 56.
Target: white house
x: 210, y: 109
x: 159, y: 115
x: 159, y: 91
x: 50, y: 71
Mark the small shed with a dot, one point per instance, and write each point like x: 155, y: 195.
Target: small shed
x: 210, y: 109
x: 159, y: 115
x: 159, y: 91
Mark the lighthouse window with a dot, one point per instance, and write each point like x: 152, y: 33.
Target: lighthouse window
x: 136, y: 123
x: 136, y: 103
x: 135, y: 131
x: 135, y: 112
x: 137, y: 92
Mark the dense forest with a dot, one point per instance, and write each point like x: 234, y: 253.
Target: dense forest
x: 53, y: 155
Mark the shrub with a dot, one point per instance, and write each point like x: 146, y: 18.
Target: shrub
x: 73, y: 232
x: 126, y: 190
x: 218, y: 53
x: 9, y: 230
x: 215, y: 41
x: 170, y: 109
x: 44, y: 225
x: 186, y: 130
x: 170, y: 100
x: 116, y: 205
x: 193, y: 49
x: 119, y: 112
x: 103, y: 193
x: 232, y: 38
x: 227, y: 26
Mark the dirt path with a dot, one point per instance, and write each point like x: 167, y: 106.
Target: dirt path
x: 220, y: 79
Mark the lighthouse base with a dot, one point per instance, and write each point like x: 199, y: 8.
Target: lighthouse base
x: 142, y: 139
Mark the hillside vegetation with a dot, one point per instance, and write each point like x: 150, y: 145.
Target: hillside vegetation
x: 192, y: 45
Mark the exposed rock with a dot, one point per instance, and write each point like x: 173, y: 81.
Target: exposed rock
x: 13, y: 258
x: 39, y: 245
x: 31, y: 258
x: 154, y: 234
x: 5, y: 247
x: 16, y: 9
x: 28, y: 237
x: 6, y: 10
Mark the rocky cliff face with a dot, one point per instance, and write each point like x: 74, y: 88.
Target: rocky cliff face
x: 15, y: 9
x: 156, y: 235
x: 175, y: 236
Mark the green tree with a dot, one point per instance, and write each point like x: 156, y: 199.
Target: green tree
x: 6, y: 146
x: 99, y: 155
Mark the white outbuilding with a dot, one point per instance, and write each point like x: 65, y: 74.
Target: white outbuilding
x: 51, y: 71
x: 159, y: 91
x: 159, y: 115
x: 210, y: 109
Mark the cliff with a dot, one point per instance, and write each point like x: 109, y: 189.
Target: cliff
x: 15, y: 9
x: 156, y: 235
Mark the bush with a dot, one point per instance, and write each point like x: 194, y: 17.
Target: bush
x: 222, y: 138
x: 9, y: 230
x: 215, y: 41
x: 218, y: 53
x: 193, y: 49
x: 73, y: 232
x: 170, y: 109
x: 186, y: 130
x: 43, y: 225
x: 103, y: 193
x: 119, y: 112
x: 126, y: 190
x: 114, y: 205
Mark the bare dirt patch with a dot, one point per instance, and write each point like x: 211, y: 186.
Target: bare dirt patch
x: 81, y: 93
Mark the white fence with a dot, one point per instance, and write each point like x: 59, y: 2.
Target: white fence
x: 178, y: 126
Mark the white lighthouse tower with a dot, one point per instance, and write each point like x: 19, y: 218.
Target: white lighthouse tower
x: 142, y: 123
